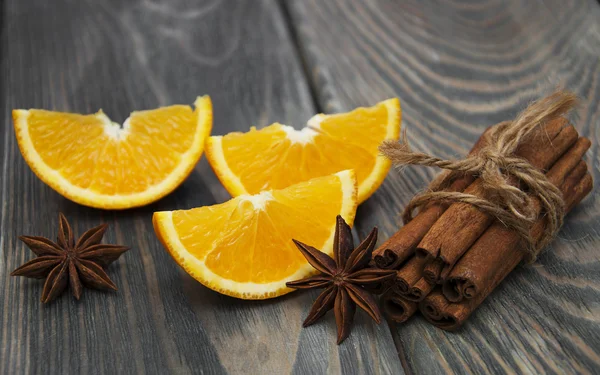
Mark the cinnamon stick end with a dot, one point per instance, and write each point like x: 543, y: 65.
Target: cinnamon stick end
x: 386, y: 260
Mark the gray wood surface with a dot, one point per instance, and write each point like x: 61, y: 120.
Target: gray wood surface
x: 458, y: 67
x: 124, y: 55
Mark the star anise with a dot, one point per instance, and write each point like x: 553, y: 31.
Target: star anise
x: 346, y: 278
x: 80, y: 264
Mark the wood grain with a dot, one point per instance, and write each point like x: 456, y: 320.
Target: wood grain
x: 119, y: 56
x: 458, y: 67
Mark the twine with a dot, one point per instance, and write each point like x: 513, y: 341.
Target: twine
x: 495, y: 165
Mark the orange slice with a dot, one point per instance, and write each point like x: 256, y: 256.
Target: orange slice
x: 279, y: 156
x: 243, y: 248
x: 95, y: 162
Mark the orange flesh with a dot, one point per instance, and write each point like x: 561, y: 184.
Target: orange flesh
x: 246, y: 244
x: 79, y: 148
x: 341, y: 141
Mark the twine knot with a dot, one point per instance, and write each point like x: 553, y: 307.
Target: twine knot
x: 500, y: 174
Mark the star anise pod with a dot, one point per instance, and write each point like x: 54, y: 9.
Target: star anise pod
x: 346, y: 278
x: 80, y: 264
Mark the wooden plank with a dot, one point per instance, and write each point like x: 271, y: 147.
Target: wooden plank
x: 124, y: 55
x: 458, y: 67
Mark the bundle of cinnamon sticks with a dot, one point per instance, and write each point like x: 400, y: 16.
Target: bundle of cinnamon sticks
x: 450, y: 257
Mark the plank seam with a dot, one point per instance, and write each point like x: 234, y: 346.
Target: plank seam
x: 399, y: 348
x: 302, y: 55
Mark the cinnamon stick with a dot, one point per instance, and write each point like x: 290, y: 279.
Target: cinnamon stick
x: 419, y: 290
x: 409, y: 274
x: 449, y: 316
x: 482, y: 261
x: 396, y: 307
x: 432, y: 270
x: 401, y: 245
x: 410, y: 283
x: 461, y: 224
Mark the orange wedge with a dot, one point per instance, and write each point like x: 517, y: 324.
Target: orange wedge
x: 95, y: 162
x: 243, y: 248
x: 278, y: 156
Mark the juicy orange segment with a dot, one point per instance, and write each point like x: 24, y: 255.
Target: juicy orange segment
x: 243, y: 247
x: 95, y: 162
x: 278, y: 156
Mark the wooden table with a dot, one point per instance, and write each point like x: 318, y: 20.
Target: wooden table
x: 457, y: 66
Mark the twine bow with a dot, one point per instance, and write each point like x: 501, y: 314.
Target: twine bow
x: 499, y: 170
